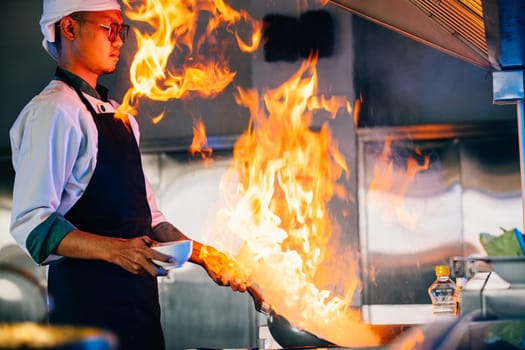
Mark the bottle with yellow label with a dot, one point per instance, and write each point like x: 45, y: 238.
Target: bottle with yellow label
x: 442, y: 292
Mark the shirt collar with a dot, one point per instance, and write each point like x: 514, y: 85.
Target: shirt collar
x: 100, y: 92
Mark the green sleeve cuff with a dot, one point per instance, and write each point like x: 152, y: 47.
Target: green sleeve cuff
x: 44, y: 238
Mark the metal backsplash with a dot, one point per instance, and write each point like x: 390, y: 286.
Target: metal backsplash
x: 471, y: 185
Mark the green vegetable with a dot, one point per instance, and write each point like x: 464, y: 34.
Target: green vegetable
x: 511, y: 332
x: 506, y: 244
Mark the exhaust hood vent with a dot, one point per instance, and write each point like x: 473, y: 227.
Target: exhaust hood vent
x: 474, y: 6
x: 486, y: 33
x: 463, y: 19
x: 455, y: 27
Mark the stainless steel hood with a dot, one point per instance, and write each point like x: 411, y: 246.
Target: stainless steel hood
x: 486, y: 33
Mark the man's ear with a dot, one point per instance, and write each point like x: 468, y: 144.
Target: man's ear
x: 67, y: 28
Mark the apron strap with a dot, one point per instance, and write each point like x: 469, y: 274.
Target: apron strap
x: 60, y: 73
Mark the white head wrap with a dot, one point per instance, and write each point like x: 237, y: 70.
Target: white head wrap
x: 54, y: 10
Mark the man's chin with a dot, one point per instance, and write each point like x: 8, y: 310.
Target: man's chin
x: 110, y: 70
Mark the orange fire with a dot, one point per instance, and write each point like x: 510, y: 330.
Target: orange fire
x: 357, y: 109
x: 389, y: 185
x: 199, y: 144
x: 410, y: 342
x: 320, y: 3
x: 276, y: 221
x: 277, y: 213
x: 331, y: 105
x: 153, y: 74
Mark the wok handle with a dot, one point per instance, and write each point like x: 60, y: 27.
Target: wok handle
x: 260, y: 305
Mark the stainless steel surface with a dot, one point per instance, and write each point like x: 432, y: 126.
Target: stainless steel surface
x: 474, y: 331
x: 461, y: 37
x: 461, y: 267
x: 460, y: 18
x: 472, y: 185
x: 22, y: 297
x: 509, y: 268
x: 428, y: 132
x: 487, y: 33
x: 407, y: 314
x: 491, y: 186
x: 507, y: 86
x: 398, y: 259
x: 197, y: 313
x: 403, y: 82
x: 493, y: 296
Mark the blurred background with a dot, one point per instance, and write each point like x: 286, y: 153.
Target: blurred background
x: 419, y: 105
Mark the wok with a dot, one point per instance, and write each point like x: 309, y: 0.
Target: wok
x: 282, y: 331
x: 289, y: 336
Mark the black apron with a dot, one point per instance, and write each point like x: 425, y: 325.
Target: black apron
x: 114, y: 204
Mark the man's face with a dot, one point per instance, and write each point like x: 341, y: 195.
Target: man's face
x: 98, y: 44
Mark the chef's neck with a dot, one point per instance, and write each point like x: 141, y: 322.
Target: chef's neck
x: 87, y: 75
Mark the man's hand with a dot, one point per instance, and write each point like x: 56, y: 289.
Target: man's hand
x: 135, y: 256
x: 222, y: 269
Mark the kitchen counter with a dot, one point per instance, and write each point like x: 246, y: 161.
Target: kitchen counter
x: 400, y: 314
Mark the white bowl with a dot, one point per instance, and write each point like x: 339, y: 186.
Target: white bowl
x: 510, y: 268
x: 179, y: 251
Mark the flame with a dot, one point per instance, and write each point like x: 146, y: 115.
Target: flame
x: 157, y: 119
x: 175, y: 23
x: 199, y: 144
x: 357, y: 109
x: 284, y: 174
x: 389, y: 195
x: 305, y: 3
x: 410, y: 342
x: 331, y: 105
x: 276, y: 213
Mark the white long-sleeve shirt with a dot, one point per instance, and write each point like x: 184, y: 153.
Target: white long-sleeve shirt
x: 54, y: 153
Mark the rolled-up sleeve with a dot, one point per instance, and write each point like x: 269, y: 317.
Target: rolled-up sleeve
x: 46, y: 142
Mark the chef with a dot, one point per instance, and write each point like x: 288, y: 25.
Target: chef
x: 81, y: 202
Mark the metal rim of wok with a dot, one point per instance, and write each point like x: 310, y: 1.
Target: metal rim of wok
x: 289, y: 336
x: 282, y: 330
